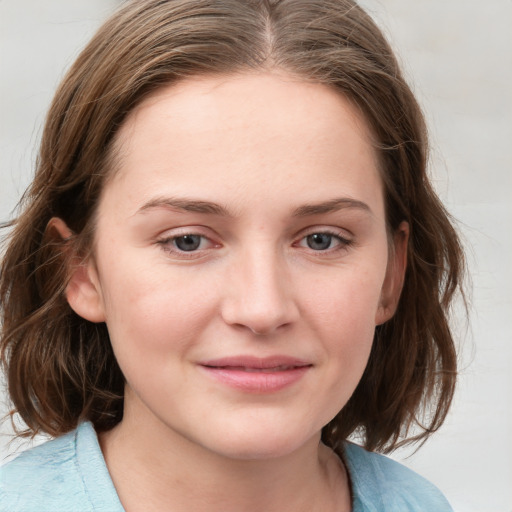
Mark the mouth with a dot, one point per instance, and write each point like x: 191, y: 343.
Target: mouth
x: 281, y: 368
x: 257, y: 375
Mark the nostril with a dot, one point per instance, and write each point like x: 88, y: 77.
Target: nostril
x: 258, y: 332
x: 261, y: 329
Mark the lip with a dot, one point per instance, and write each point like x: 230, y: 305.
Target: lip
x: 257, y: 375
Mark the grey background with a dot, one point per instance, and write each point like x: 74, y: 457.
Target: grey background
x: 458, y: 56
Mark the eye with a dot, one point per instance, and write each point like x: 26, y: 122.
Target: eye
x: 324, y: 241
x: 188, y: 242
x: 186, y: 245
x: 319, y: 241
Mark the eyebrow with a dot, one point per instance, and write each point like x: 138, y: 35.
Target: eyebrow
x: 208, y: 207
x: 330, y: 206
x: 186, y: 205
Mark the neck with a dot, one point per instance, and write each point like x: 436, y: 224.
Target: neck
x: 152, y: 467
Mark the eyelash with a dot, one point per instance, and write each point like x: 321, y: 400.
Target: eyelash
x: 168, y: 243
x: 343, y: 242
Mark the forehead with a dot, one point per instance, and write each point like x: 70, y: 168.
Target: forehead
x: 262, y: 132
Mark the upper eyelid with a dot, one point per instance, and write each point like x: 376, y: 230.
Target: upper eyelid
x: 178, y: 231
x: 170, y: 234
x: 212, y: 235
x: 330, y: 230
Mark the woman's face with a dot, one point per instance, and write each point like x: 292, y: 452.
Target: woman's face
x: 241, y: 261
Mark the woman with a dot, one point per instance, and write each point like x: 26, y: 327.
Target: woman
x: 230, y: 260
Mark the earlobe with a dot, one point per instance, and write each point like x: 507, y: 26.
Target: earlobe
x: 83, y: 291
x: 395, y: 275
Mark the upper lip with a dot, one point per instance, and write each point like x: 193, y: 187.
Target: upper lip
x: 245, y: 361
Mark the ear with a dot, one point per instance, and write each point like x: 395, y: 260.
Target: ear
x: 395, y: 274
x: 83, y: 291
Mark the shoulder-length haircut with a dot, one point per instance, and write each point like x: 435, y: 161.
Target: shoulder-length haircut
x: 61, y: 368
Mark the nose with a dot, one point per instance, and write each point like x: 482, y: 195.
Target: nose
x: 259, y: 294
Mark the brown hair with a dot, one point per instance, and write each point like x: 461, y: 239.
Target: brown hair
x: 61, y: 368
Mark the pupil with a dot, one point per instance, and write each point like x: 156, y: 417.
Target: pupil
x: 188, y: 242
x: 319, y: 241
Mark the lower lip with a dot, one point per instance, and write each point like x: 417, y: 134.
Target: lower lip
x: 255, y: 381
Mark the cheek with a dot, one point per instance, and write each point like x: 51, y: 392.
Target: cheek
x: 344, y: 301
x: 342, y: 311
x: 150, y: 311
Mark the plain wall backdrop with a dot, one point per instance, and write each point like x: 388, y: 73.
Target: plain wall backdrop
x: 457, y: 55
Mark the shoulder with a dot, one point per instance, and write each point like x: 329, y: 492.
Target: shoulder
x: 55, y: 474
x: 42, y: 477
x: 380, y: 484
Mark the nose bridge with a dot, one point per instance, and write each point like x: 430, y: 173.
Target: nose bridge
x: 260, y: 296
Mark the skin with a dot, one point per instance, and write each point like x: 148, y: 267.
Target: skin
x: 281, y: 160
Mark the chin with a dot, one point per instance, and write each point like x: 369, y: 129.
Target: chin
x: 262, y: 445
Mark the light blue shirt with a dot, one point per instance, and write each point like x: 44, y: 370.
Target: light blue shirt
x: 70, y: 474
